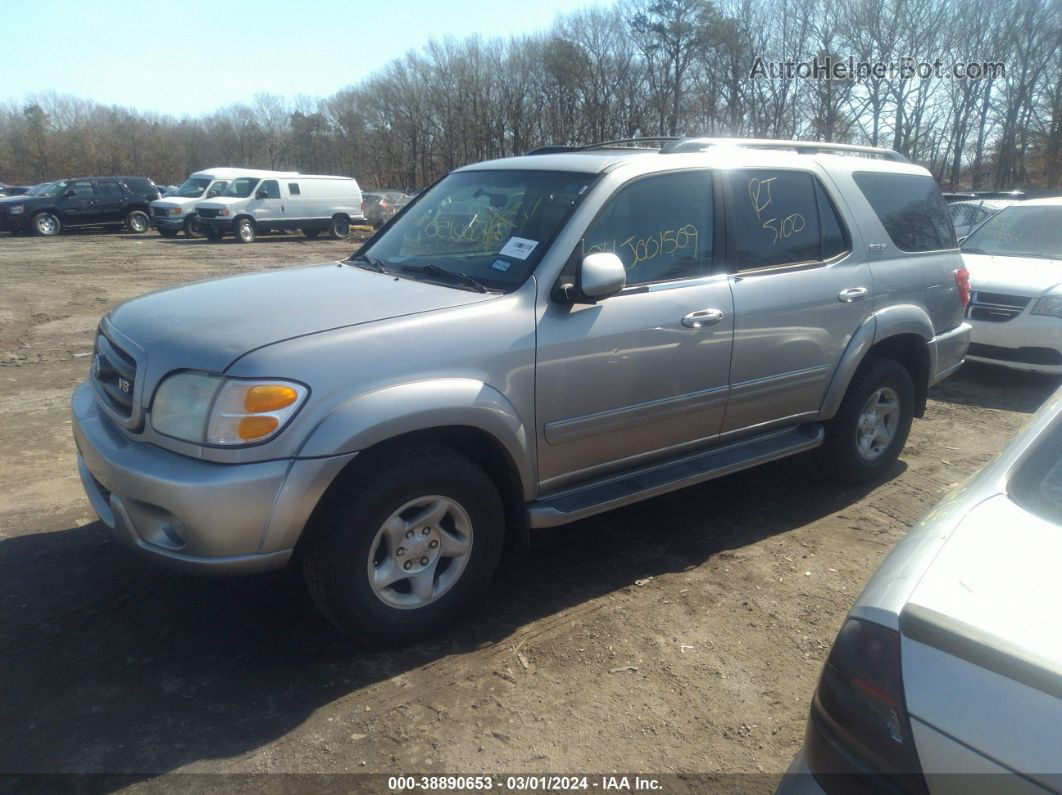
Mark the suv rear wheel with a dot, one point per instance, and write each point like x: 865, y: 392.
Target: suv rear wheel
x: 137, y: 221
x: 404, y: 547
x: 872, y: 425
x: 245, y: 230
x: 46, y: 224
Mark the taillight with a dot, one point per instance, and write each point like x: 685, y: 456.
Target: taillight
x: 962, y: 281
x: 859, y: 725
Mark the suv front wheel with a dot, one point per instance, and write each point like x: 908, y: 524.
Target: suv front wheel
x: 871, y: 427
x: 46, y: 224
x: 405, y: 545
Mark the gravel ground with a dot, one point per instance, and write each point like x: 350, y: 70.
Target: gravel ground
x: 683, y: 634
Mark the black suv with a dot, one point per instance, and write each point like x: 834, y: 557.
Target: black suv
x: 49, y: 208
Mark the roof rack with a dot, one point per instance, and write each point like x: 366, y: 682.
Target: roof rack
x: 675, y: 144
x: 802, y: 147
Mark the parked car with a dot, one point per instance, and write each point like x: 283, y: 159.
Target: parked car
x: 380, y: 207
x: 390, y: 422
x: 176, y: 212
x: 256, y: 203
x: 12, y: 190
x: 1015, y: 264
x: 947, y: 674
x: 968, y: 214
x: 49, y: 208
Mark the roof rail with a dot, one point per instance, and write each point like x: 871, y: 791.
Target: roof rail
x: 619, y: 143
x: 803, y: 147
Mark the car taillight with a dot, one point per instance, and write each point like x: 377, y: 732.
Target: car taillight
x: 859, y: 728
x: 962, y: 281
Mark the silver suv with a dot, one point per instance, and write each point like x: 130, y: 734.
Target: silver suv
x: 532, y: 341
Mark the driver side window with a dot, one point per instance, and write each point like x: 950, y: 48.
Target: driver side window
x: 270, y: 188
x: 660, y: 227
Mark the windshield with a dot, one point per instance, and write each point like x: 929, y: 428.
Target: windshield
x: 1019, y: 232
x: 45, y: 189
x: 491, y: 225
x: 192, y: 187
x: 1037, y: 485
x: 241, y: 187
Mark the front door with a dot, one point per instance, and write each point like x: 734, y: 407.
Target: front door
x: 77, y: 203
x: 266, y: 205
x: 800, y: 292
x: 640, y: 375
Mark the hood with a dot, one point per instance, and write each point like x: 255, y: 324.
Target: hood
x: 8, y: 200
x: 207, y: 325
x: 1014, y: 275
x: 174, y: 201
x: 222, y: 201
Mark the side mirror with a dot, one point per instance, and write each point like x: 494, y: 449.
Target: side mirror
x: 598, y: 276
x: 212, y: 194
x: 261, y: 195
x: 962, y: 239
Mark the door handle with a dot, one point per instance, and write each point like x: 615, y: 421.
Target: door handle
x: 704, y: 317
x: 851, y: 294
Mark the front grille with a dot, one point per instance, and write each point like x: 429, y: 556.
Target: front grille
x: 159, y: 210
x: 114, y: 372
x: 207, y: 213
x: 996, y: 307
x: 1029, y: 355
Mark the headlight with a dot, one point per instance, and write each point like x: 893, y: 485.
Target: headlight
x: 176, y: 211
x: 223, y: 212
x: 18, y: 209
x: 211, y: 409
x: 1048, y: 305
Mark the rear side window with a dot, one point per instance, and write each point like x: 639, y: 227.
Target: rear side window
x: 293, y: 188
x: 660, y: 227
x: 782, y: 218
x: 109, y: 187
x: 271, y: 188
x: 138, y: 185
x: 82, y: 188
x: 910, y: 208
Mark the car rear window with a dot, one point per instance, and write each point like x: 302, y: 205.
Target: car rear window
x: 1037, y: 485
x: 910, y: 208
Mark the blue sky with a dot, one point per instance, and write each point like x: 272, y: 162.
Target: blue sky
x: 193, y: 57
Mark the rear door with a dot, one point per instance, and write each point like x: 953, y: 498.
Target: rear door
x: 800, y: 292
x: 110, y: 201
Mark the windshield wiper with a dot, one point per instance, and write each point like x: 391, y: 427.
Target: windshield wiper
x: 454, y: 276
x: 373, y: 263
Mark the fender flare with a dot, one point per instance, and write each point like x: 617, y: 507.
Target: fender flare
x: 885, y: 323
x: 392, y: 411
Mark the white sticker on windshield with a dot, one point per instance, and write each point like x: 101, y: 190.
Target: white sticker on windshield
x: 518, y: 247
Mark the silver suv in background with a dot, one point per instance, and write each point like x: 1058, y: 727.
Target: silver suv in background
x: 534, y: 340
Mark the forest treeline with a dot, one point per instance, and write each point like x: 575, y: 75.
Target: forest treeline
x: 638, y: 67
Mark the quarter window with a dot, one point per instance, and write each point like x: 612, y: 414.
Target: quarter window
x: 660, y: 227
x: 910, y: 208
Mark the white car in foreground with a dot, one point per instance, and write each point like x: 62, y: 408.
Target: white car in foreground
x: 1015, y: 264
x: 947, y: 675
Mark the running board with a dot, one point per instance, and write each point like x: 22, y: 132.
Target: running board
x: 651, y: 481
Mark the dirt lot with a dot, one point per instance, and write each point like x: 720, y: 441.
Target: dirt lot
x: 684, y: 634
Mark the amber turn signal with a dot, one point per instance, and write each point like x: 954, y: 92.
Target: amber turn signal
x: 269, y: 398
x: 257, y: 427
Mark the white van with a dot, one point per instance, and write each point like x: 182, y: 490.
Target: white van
x: 256, y: 202
x: 176, y: 212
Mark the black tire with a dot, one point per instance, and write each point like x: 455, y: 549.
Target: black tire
x: 841, y: 452
x: 244, y: 230
x: 191, y: 226
x: 137, y: 222
x: 335, y: 553
x: 46, y: 224
x: 339, y: 228
x: 311, y: 233
x: 212, y: 234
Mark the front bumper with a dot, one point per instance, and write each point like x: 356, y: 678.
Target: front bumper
x: 223, y: 225
x: 14, y: 223
x: 175, y: 222
x: 191, y: 514
x: 947, y: 352
x: 1032, y: 343
x: 798, y: 779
